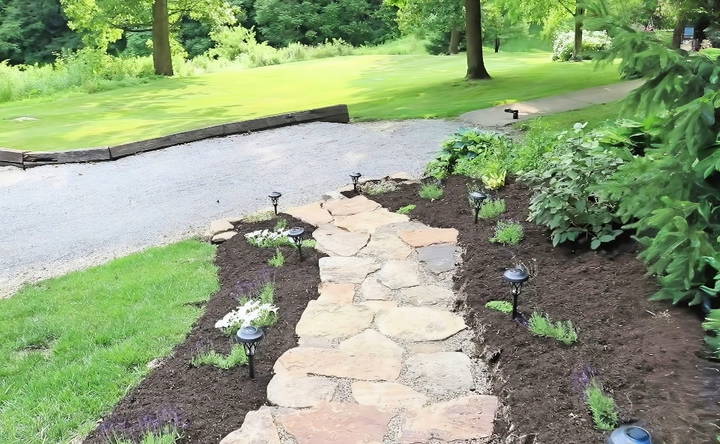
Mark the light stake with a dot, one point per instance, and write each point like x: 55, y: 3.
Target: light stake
x: 630, y: 434
x: 249, y: 338
x: 516, y: 277
x: 355, y: 178
x: 296, y: 234
x: 515, y: 113
x: 274, y: 197
x: 476, y: 199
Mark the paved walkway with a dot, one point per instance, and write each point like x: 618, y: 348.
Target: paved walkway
x: 381, y: 358
x: 550, y: 105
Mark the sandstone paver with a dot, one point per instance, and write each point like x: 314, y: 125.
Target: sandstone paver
x: 387, y: 395
x: 338, y: 363
x: 220, y: 226
x: 369, y: 222
x: 372, y: 342
x: 399, y: 274
x: 372, y: 290
x: 426, y: 295
x: 341, y: 270
x: 312, y: 213
x: 440, y: 373
x: 438, y: 258
x: 464, y: 419
x: 429, y: 236
x: 417, y: 324
x: 336, y: 242
x: 333, y: 320
x: 387, y: 246
x: 336, y: 293
x: 348, y: 207
x: 298, y: 390
x: 257, y: 428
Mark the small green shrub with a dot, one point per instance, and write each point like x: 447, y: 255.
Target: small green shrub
x: 490, y: 209
x: 602, y: 407
x: 593, y: 43
x: 281, y: 225
x: 431, y: 192
x: 563, y: 331
x: 501, y: 306
x: 508, y: 233
x: 377, y: 188
x: 407, y: 209
x: 233, y: 359
x: 278, y: 260
x: 712, y: 324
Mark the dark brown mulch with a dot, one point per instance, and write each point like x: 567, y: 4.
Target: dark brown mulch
x: 647, y: 354
x: 205, y: 402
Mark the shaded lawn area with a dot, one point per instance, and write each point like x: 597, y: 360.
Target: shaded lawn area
x: 71, y: 347
x: 375, y: 87
x: 593, y: 115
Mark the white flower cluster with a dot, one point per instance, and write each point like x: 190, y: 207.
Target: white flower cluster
x: 267, y: 238
x: 245, y: 314
x: 593, y: 42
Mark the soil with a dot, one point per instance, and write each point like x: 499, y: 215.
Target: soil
x: 648, y: 355
x: 207, y: 403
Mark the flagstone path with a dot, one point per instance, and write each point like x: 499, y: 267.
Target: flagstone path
x: 381, y: 357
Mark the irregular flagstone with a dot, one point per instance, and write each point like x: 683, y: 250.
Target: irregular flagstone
x: 258, y: 428
x: 220, y: 226
x: 336, y: 293
x: 333, y: 423
x: 340, y: 269
x: 298, y: 391
x: 426, y: 295
x: 401, y: 176
x: 348, y: 207
x: 429, y: 236
x: 387, y: 246
x: 378, y: 306
x: 416, y: 324
x: 369, y: 222
x: 387, y: 395
x: 372, y: 342
x: 336, y: 242
x: 333, y: 320
x: 398, y: 227
x: 372, y: 290
x: 339, y: 363
x: 464, y: 419
x: 440, y: 373
x: 438, y: 258
x: 312, y: 213
x: 399, y: 274
x: 222, y: 237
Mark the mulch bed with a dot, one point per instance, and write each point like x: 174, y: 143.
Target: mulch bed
x: 207, y: 403
x: 648, y: 355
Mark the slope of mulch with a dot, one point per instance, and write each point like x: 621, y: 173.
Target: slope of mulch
x: 207, y: 403
x: 649, y: 355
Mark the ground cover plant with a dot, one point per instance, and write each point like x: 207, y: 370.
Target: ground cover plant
x: 407, y: 209
x: 508, y: 233
x: 492, y: 208
x: 73, y: 345
x: 562, y: 331
x: 602, y: 407
x: 431, y: 192
x: 236, y: 357
x: 278, y: 260
x: 501, y: 306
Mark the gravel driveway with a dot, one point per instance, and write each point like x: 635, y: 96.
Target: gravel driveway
x: 57, y: 219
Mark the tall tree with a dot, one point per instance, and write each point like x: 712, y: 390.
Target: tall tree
x: 473, y: 34
x: 105, y: 21
x: 443, y: 20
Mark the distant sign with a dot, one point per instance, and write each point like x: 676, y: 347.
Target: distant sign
x: 689, y: 32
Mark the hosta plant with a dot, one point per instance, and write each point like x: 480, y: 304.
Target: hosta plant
x: 473, y: 153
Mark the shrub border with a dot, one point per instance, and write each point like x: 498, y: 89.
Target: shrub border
x: 28, y: 159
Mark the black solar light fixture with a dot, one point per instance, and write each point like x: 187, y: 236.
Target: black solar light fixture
x: 476, y: 199
x: 249, y: 337
x: 517, y: 278
x: 274, y: 198
x: 355, y: 178
x: 514, y: 112
x: 296, y: 235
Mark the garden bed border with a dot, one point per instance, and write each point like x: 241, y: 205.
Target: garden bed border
x: 28, y: 159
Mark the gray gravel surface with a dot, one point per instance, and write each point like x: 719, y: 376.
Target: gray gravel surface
x: 56, y: 219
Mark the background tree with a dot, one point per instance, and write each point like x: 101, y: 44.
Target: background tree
x: 441, y: 22
x: 473, y: 34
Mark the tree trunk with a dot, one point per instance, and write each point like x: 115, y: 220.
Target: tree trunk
x: 579, y: 15
x: 454, y: 41
x: 497, y: 44
x: 162, y: 59
x: 678, y: 32
x: 473, y: 37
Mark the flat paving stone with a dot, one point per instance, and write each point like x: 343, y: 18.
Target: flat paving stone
x: 372, y: 290
x: 340, y: 269
x: 348, y: 207
x: 334, y: 423
x: 378, y: 306
x: 372, y: 342
x: 336, y: 293
x: 257, y: 428
x: 369, y: 222
x: 417, y: 324
x: 332, y: 321
x: 312, y: 213
x: 464, y: 419
x: 336, y: 242
x: 429, y: 236
x: 222, y: 237
x: 387, y: 246
x: 439, y: 258
x: 426, y: 295
x: 341, y: 364
x: 299, y: 391
x: 387, y: 395
x: 440, y: 373
x: 399, y: 274
x: 220, y: 226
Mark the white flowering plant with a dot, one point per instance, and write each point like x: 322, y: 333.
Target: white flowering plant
x: 268, y: 238
x: 252, y: 312
x: 593, y: 42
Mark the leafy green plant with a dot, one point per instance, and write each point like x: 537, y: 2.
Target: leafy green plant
x: 377, y: 188
x: 508, y: 233
x: 233, y: 359
x: 407, y: 209
x: 431, y: 192
x: 712, y: 324
x: 602, y: 407
x: 501, y: 306
x: 563, y: 331
x: 281, y: 225
x: 490, y: 209
x: 278, y: 260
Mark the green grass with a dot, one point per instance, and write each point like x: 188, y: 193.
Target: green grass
x: 561, y: 331
x: 602, y: 407
x: 374, y: 86
x: 508, y: 233
x: 71, y: 347
x: 593, y: 115
x: 431, y: 192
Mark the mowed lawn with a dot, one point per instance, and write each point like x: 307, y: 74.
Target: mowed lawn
x: 374, y: 86
x: 71, y: 347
